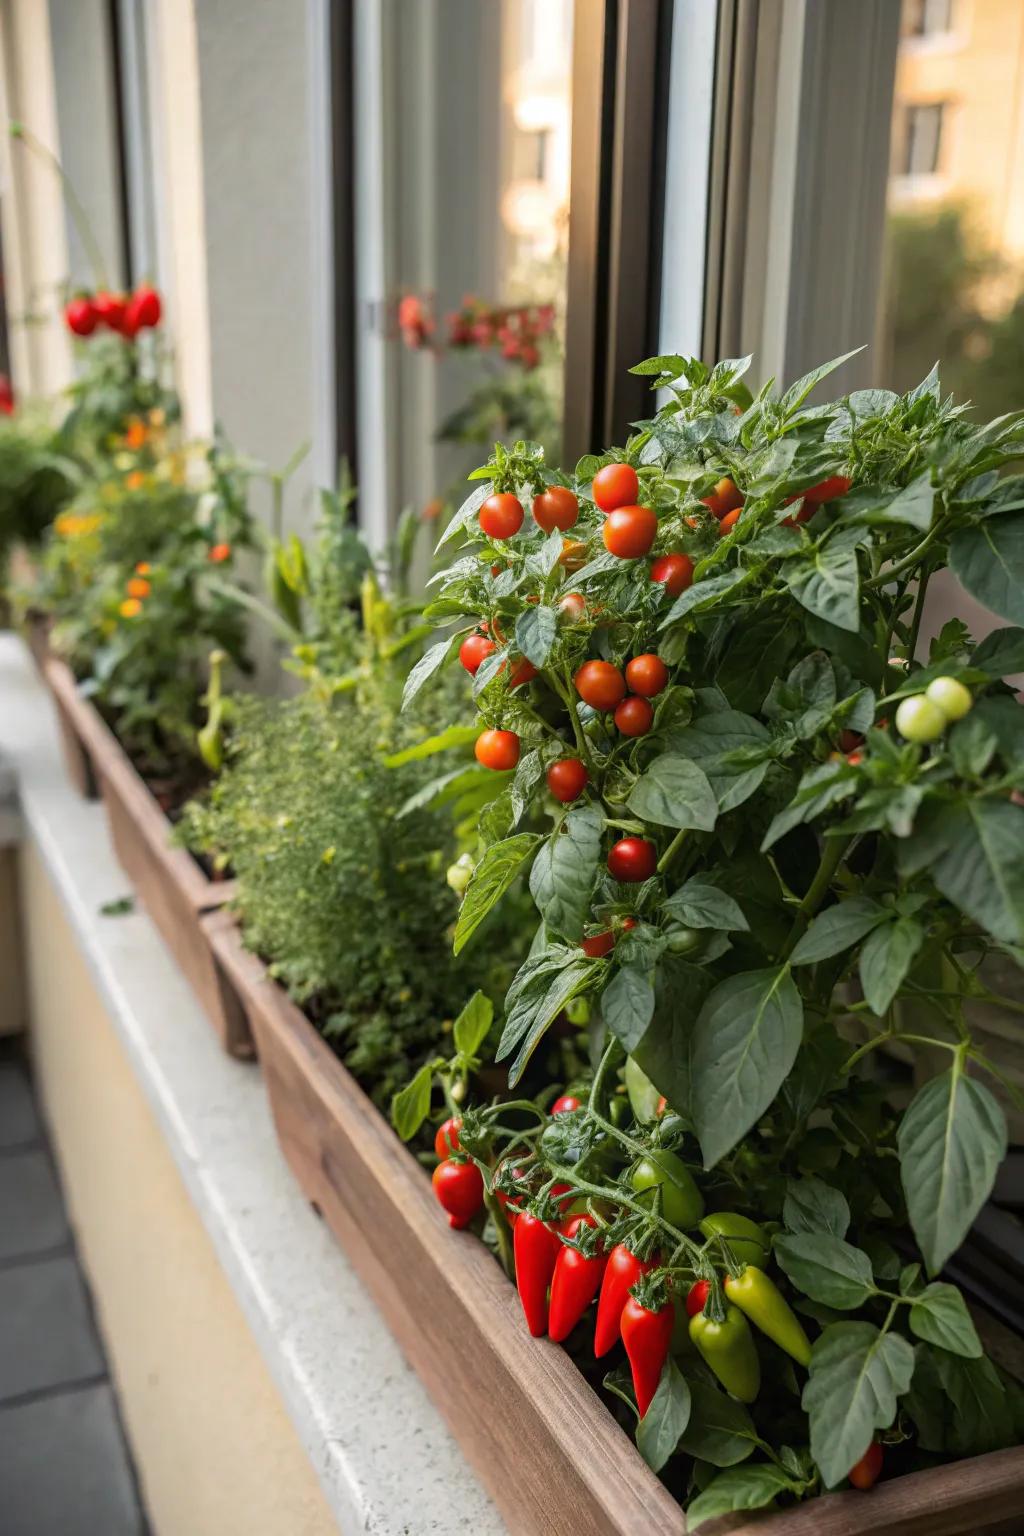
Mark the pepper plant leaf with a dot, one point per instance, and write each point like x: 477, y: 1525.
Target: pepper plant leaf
x: 857, y: 1373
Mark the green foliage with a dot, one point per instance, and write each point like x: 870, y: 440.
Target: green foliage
x: 349, y: 916
x: 823, y: 869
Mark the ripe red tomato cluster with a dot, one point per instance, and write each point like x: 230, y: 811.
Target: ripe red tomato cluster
x: 629, y: 530
x: 603, y: 687
x: 127, y: 314
x: 515, y: 330
x: 832, y: 489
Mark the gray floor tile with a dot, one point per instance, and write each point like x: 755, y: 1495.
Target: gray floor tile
x: 31, y: 1215
x: 18, y: 1119
x: 64, y: 1470
x: 46, y: 1332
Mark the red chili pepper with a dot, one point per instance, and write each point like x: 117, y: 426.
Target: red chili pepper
x: 696, y: 1296
x: 623, y: 1270
x: 536, y: 1250
x: 574, y: 1284
x: 647, y: 1336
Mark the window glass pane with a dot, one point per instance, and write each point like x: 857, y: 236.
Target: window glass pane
x: 955, y: 228
x: 461, y: 304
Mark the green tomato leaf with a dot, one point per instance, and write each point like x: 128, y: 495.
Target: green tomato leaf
x: 705, y: 594
x: 913, y: 505
x: 857, y: 1373
x: 838, y: 928
x: 940, y: 1316
x: 674, y: 792
x: 951, y: 1142
x: 536, y: 628
x: 627, y: 1005
x: 710, y: 742
x: 826, y: 1269
x: 750, y: 1487
x: 532, y: 1015
x: 1000, y: 653
x: 454, y: 736
x: 745, y: 1042
x: 563, y: 875
x: 466, y: 513
x: 697, y: 904
x: 430, y: 662
x: 490, y: 880
x: 811, y: 1205
x: 988, y: 562
x: 471, y: 1026
x: 658, y: 1432
x: 886, y: 958
x: 720, y: 1430
x: 974, y: 851
x: 982, y: 1420
x: 827, y: 583
x: 411, y: 1104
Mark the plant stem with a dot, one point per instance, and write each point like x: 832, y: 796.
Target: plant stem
x: 886, y: 578
x: 671, y: 851
x: 886, y: 1038
x: 915, y: 628
x: 835, y: 849
x: 501, y: 1234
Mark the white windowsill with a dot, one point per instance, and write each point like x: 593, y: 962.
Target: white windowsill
x: 385, y: 1459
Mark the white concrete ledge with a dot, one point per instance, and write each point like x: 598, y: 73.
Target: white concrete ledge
x: 385, y: 1460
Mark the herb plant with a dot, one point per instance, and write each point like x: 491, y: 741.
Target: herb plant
x: 778, y: 842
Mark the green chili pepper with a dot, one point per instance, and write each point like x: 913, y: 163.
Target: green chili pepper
x: 748, y: 1241
x: 729, y: 1350
x: 767, y: 1308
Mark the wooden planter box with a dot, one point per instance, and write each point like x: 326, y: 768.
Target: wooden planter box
x: 79, y: 725
x: 168, y: 881
x: 551, y: 1455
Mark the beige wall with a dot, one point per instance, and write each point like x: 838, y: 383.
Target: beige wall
x: 216, y: 1453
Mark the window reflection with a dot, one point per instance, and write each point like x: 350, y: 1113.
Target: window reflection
x: 955, y: 236
x: 477, y: 140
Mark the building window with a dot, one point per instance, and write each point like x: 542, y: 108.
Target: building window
x: 928, y: 18
x: 921, y: 143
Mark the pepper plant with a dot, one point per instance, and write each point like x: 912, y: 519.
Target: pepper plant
x: 767, y: 840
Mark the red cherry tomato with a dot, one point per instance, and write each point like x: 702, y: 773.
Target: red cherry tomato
x: 616, y: 485
x: 567, y: 779
x: 497, y: 749
x: 866, y: 1472
x: 460, y: 1189
x: 646, y: 674
x: 729, y: 521
x: 629, y: 532
x: 828, y: 490
x: 501, y: 515
x: 634, y: 716
x: 80, y: 316
x: 600, y: 685
x: 806, y: 512
x: 632, y: 859
x: 697, y: 1295
x: 146, y: 307
x: 474, y: 650
x: 674, y: 571
x: 565, y: 1104
x: 726, y: 497
x: 523, y: 671
x: 598, y: 945
x: 446, y: 1141
x: 110, y: 309
x: 572, y: 607
x: 554, y: 508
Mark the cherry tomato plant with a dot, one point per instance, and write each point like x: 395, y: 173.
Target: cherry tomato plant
x: 799, y: 850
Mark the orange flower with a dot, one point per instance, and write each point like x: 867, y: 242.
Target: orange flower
x: 220, y: 552
x: 138, y: 586
x: 130, y: 608
x: 143, y: 568
x: 136, y: 435
x: 135, y: 481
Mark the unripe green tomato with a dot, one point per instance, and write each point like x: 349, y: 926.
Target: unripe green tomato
x: 684, y: 941
x: 918, y: 719
x: 952, y: 697
x: 748, y: 1241
x: 460, y: 873
x: 682, y: 1203
x: 577, y: 1011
